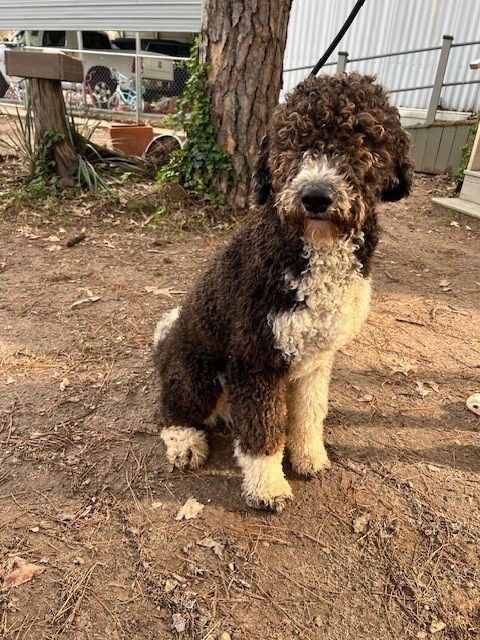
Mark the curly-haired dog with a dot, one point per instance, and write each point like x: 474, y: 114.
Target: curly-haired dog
x: 255, y: 340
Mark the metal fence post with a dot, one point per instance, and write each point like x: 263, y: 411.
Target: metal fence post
x: 439, y: 76
x: 342, y: 61
x: 82, y: 57
x: 138, y: 75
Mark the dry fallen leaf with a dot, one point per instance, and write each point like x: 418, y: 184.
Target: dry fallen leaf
x: 169, y: 292
x: 26, y: 233
x: 85, y: 301
x: 404, y: 368
x: 366, y: 398
x: 190, y: 510
x: 432, y: 385
x: 20, y: 571
x: 216, y: 547
x: 473, y: 403
x: 420, y: 389
x: 179, y: 622
x: 355, y: 467
x: 64, y: 384
x: 445, y: 284
x: 360, y: 524
x: 437, y: 625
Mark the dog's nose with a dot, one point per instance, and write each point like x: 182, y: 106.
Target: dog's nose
x: 316, y: 199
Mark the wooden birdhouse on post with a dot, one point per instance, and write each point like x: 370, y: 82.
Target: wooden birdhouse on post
x: 45, y: 72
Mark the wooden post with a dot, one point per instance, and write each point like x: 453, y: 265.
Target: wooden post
x: 45, y: 72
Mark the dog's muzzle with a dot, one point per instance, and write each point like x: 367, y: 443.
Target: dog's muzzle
x: 316, y: 201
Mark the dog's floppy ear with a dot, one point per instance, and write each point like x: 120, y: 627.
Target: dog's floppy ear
x: 261, y: 178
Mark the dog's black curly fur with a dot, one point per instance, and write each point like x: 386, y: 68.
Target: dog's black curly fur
x: 223, y: 338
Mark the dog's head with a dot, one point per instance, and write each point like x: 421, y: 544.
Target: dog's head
x: 334, y: 149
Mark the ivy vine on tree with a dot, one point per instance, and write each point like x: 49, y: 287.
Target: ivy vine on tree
x: 201, y: 157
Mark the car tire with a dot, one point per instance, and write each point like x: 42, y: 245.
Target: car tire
x: 101, y: 85
x: 3, y: 85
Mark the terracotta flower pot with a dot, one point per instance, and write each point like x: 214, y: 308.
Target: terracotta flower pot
x: 132, y: 139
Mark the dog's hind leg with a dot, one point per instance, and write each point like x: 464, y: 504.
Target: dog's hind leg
x: 258, y: 406
x: 187, y: 401
x: 189, y: 395
x: 307, y: 401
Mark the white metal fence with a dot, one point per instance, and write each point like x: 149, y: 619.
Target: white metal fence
x: 434, y: 85
x: 383, y: 26
x: 115, y: 81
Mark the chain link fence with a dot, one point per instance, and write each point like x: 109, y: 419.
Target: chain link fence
x: 113, y: 83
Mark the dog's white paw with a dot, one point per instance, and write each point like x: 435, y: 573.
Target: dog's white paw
x: 264, y: 484
x: 275, y: 499
x: 187, y: 447
x: 310, y: 462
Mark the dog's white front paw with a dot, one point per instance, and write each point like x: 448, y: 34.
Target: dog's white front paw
x: 187, y: 447
x: 271, y: 498
x: 264, y: 485
x: 309, y: 462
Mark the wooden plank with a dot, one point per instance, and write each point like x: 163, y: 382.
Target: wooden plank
x: 419, y: 139
x: 471, y: 187
x: 474, y: 163
x: 442, y: 161
x: 434, y: 135
x: 461, y: 137
x: 458, y: 204
x: 46, y: 65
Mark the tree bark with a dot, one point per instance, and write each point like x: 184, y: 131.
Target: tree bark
x: 49, y: 114
x: 243, y: 42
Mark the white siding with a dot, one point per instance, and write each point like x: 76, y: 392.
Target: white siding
x: 384, y: 26
x: 109, y: 15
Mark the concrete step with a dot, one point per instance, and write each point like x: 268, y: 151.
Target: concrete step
x: 459, y: 204
x: 471, y: 187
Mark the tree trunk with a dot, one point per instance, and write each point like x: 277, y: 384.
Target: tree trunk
x: 243, y: 42
x: 49, y: 114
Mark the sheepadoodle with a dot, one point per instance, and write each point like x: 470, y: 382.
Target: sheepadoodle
x: 253, y: 344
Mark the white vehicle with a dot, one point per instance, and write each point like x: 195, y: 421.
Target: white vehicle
x: 102, y: 61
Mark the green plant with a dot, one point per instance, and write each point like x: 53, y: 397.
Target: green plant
x: 21, y: 138
x: 93, y: 161
x: 466, y: 150
x: 159, y: 213
x: 201, y: 159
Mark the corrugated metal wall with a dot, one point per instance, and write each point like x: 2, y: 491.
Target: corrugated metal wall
x: 109, y: 15
x: 384, y: 26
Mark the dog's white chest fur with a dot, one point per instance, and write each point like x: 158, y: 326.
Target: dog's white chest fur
x: 335, y: 299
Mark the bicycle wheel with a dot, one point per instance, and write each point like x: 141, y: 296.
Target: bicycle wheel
x: 113, y: 102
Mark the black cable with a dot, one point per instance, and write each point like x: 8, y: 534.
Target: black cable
x: 337, y: 38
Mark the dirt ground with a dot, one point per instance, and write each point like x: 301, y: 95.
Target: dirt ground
x: 385, y: 545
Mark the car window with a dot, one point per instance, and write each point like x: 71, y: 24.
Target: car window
x: 54, y: 39
x: 20, y: 37
x: 95, y: 40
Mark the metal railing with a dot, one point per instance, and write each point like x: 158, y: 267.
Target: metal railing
x: 439, y: 80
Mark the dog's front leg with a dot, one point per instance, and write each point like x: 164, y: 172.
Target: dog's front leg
x: 259, y: 412
x: 307, y: 408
